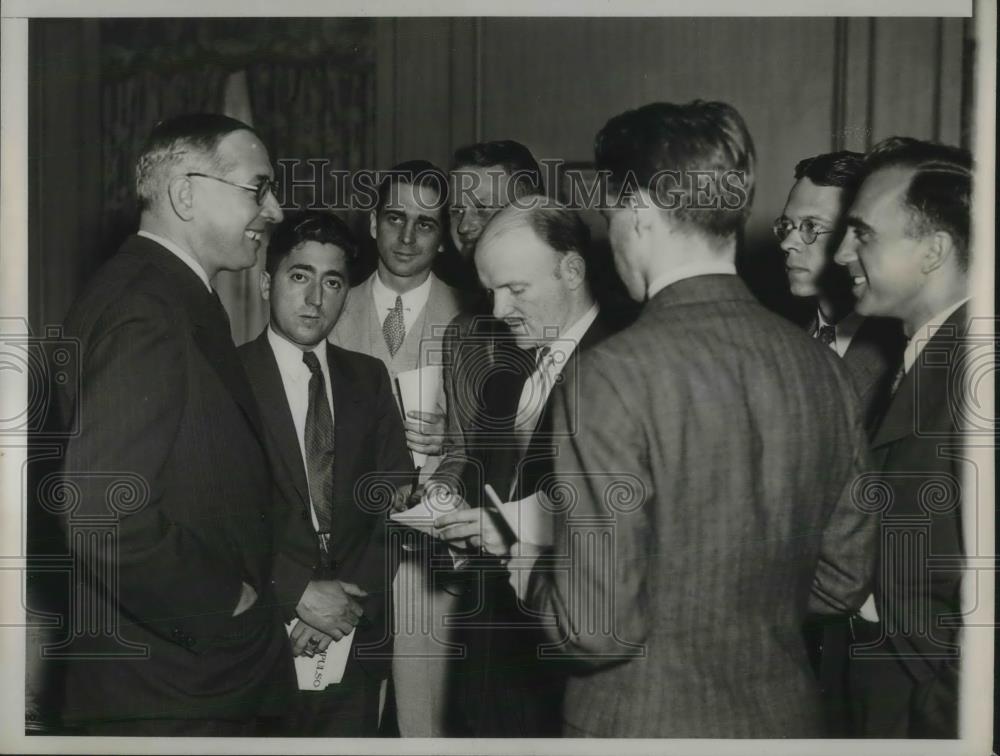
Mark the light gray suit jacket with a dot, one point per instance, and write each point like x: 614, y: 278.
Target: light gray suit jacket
x: 360, y: 330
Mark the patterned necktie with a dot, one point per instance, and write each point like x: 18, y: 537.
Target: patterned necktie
x: 393, y: 328
x: 319, y: 445
x: 827, y: 334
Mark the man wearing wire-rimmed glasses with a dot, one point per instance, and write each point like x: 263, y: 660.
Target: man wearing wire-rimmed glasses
x: 809, y: 229
x: 178, y: 570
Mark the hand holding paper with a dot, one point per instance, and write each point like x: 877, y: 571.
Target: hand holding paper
x: 331, y: 606
x: 420, y: 391
x: 526, y: 518
x: 325, y: 667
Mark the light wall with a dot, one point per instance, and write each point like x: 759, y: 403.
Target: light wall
x: 804, y: 85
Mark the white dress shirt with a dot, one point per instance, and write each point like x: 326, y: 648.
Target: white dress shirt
x: 414, y: 301
x: 538, y: 387
x: 295, y: 375
x: 184, y: 256
x: 534, y: 395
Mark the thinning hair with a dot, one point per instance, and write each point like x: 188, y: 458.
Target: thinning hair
x: 560, y: 228
x: 939, y: 197
x: 193, y: 138
x: 696, y: 162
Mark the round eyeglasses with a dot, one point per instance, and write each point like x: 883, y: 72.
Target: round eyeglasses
x: 259, y: 191
x: 808, y: 230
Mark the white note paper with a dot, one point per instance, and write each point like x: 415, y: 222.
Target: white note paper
x: 420, y: 390
x: 320, y: 670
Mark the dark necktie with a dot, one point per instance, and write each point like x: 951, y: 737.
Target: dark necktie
x: 827, y: 334
x: 393, y: 328
x: 319, y: 445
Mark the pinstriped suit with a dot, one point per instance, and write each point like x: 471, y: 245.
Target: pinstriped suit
x: 735, y: 438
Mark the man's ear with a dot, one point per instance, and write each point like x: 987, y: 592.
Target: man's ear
x: 373, y: 224
x: 265, y: 285
x: 939, y: 247
x: 181, y: 197
x: 643, y: 211
x: 574, y: 269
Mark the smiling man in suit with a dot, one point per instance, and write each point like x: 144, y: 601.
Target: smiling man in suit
x: 713, y: 450
x: 166, y: 416
x: 908, y: 250
x: 334, y: 436
x: 533, y: 260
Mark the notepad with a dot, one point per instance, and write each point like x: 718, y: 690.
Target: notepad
x: 421, y: 517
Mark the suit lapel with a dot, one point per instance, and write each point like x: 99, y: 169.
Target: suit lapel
x: 917, y: 396
x: 348, y: 416
x: 215, y: 343
x: 210, y: 329
x: 277, y: 415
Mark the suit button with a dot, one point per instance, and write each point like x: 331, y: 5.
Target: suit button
x: 175, y: 633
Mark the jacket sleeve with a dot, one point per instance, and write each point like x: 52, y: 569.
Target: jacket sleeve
x: 594, y: 579
x: 846, y: 567
x: 131, y: 401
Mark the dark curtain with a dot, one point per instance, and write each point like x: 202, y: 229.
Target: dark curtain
x: 306, y: 85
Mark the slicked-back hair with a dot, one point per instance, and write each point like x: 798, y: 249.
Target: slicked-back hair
x: 415, y: 173
x: 513, y: 157
x: 299, y: 227
x: 696, y: 160
x: 939, y: 197
x: 194, y: 137
x: 843, y: 169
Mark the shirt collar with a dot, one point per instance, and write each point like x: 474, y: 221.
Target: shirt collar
x: 289, y: 356
x: 185, y: 257
x: 568, y: 342
x: 690, y: 270
x: 414, y: 299
x: 925, y: 333
x: 843, y: 330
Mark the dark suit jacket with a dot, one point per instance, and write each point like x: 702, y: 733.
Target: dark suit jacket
x: 709, y: 478
x: 504, y: 689
x: 917, y: 453
x: 370, y: 460
x: 170, y: 457
x: 872, y: 358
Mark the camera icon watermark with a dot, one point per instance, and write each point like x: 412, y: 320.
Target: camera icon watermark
x: 51, y: 364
